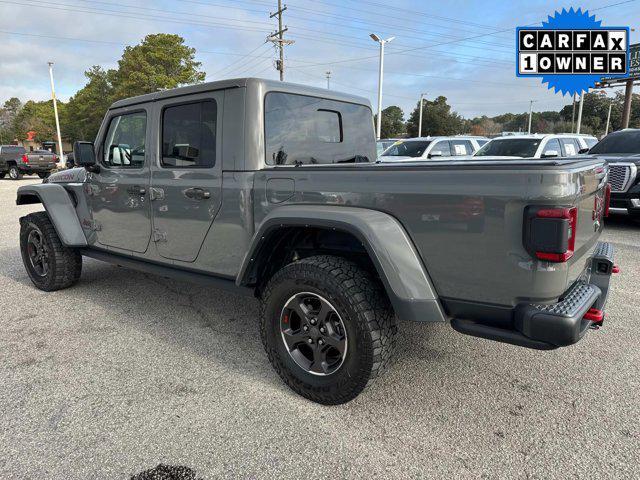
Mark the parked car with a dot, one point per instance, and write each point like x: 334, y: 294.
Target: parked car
x: 424, y: 148
x: 383, y: 144
x: 621, y: 150
x: 278, y: 195
x: 16, y: 161
x: 536, y: 146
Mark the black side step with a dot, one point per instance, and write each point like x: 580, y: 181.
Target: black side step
x: 469, y: 327
x: 192, y: 276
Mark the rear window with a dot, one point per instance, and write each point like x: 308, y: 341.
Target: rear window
x: 306, y: 130
x: 513, y: 147
x: 619, y: 142
x: 14, y: 150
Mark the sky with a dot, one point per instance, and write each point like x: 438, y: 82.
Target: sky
x: 464, y: 50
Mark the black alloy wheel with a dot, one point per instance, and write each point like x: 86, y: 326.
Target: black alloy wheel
x: 313, y: 333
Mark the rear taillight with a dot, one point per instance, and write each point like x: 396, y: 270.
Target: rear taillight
x: 25, y: 159
x: 55, y: 158
x: 550, y: 233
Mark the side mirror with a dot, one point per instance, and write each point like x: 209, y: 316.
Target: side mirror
x: 435, y: 154
x: 550, y: 153
x: 583, y: 150
x: 83, y: 155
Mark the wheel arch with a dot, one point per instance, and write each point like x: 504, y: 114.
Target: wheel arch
x: 379, y: 235
x: 60, y: 208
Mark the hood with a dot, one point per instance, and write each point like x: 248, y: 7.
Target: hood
x: 618, y: 157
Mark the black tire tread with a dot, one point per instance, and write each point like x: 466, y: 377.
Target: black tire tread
x: 365, y: 296
x: 67, y: 262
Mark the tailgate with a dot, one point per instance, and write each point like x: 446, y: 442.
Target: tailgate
x: 41, y: 159
x: 591, y: 205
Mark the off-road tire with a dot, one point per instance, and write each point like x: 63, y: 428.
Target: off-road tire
x: 64, y: 264
x: 44, y: 175
x: 14, y: 172
x: 361, y: 302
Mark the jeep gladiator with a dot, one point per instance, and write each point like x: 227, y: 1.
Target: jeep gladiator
x: 272, y: 189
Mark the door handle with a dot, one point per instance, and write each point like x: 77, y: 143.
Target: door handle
x: 197, y: 193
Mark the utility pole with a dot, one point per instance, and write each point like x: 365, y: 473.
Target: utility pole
x: 380, y: 75
x: 55, y: 112
x: 606, y: 129
x: 530, y: 114
x: 573, y: 115
x: 579, y: 124
x: 420, y: 115
x: 328, y: 74
x: 277, y: 38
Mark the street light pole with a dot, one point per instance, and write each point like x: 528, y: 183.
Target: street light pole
x: 55, y: 112
x: 380, y: 75
x: 579, y: 123
x: 328, y: 74
x: 530, y: 114
x: 606, y: 130
x: 420, y: 115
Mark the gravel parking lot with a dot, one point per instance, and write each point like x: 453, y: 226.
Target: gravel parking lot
x: 126, y: 371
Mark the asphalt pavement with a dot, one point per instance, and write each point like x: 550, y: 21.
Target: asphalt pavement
x: 127, y: 371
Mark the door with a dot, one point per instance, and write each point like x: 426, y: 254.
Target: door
x: 186, y: 179
x: 461, y: 147
x: 440, y: 149
x: 118, y: 193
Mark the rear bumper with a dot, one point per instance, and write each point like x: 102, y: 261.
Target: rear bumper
x: 549, y: 326
x: 36, y: 168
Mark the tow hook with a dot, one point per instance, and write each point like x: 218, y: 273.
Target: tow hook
x: 615, y: 269
x: 596, y: 316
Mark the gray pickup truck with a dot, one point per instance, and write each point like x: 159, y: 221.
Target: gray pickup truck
x: 16, y: 161
x: 272, y: 189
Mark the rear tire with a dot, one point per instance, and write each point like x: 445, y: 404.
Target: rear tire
x: 2, y: 174
x: 362, y: 328
x: 51, y: 266
x: 44, y: 175
x: 14, y: 173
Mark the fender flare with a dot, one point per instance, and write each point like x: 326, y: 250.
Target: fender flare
x: 405, y: 278
x: 59, y: 207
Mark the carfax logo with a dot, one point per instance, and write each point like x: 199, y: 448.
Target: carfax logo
x: 572, y: 51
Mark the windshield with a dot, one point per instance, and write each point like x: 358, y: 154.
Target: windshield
x: 622, y: 142
x: 512, y: 147
x: 407, y: 149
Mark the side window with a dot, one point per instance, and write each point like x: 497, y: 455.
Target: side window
x: 552, y: 145
x: 461, y: 147
x: 569, y: 148
x: 189, y: 135
x: 124, y: 145
x: 305, y: 130
x: 441, y: 147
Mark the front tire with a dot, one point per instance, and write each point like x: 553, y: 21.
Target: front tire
x: 327, y: 327
x: 51, y: 266
x: 14, y: 173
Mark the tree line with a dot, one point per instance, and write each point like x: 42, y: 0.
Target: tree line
x: 438, y: 118
x: 162, y: 61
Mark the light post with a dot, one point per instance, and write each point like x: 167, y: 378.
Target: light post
x: 376, y: 38
x: 580, y: 105
x: 530, y: 114
x: 55, y: 112
x: 420, y: 115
